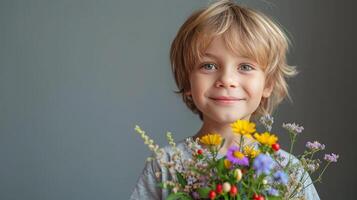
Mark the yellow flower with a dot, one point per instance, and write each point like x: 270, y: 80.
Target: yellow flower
x: 227, y: 163
x: 250, y: 151
x: 266, y: 138
x: 243, y: 127
x: 238, y: 154
x: 211, y: 139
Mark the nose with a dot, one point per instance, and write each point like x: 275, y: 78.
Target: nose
x: 227, y: 79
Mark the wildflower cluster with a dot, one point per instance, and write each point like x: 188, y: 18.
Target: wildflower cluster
x: 259, y: 171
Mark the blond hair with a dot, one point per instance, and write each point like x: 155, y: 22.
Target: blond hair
x: 245, y: 31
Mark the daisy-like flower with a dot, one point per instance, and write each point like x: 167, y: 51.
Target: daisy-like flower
x: 250, y: 151
x: 211, y: 139
x: 266, y: 138
x: 243, y: 127
x: 237, y: 157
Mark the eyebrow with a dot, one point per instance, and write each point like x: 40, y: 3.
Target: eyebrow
x: 214, y: 56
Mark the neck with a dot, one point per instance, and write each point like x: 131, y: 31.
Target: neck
x: 225, y: 131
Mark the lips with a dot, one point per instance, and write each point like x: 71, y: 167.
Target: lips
x: 226, y: 101
x: 226, y: 98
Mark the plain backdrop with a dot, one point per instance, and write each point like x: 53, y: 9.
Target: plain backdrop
x: 77, y: 75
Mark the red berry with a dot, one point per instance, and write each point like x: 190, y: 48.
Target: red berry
x: 275, y: 147
x: 199, y: 152
x: 255, y: 196
x: 219, y: 188
x: 260, y: 197
x: 234, y: 191
x: 212, y: 194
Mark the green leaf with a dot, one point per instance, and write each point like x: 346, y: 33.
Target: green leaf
x: 204, y: 192
x: 181, y: 179
x: 238, y: 197
x: 226, y: 196
x: 178, y: 196
x: 274, y: 198
x: 200, y: 156
x: 220, y: 165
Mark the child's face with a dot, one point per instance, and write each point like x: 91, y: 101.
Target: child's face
x: 221, y: 73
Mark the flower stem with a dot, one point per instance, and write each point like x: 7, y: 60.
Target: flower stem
x: 319, y: 178
x: 241, y: 142
x: 292, y: 141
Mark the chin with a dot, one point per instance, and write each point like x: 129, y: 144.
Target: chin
x: 227, y: 118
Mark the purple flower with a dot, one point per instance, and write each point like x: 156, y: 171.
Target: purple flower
x: 315, y: 145
x: 294, y: 128
x: 263, y: 164
x: 203, y: 181
x: 195, y: 195
x: 273, y: 192
x: 281, y: 177
x: 331, y: 157
x: 237, y: 157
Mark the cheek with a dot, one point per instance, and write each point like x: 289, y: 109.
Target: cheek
x: 199, y: 84
x: 198, y: 90
x: 255, y: 87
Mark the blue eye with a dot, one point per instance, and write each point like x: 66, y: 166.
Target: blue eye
x: 246, y: 67
x: 209, y: 66
x: 243, y: 67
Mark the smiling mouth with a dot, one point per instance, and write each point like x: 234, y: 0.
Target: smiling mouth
x: 219, y: 99
x: 226, y: 101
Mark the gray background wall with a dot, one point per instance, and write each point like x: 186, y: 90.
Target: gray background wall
x: 76, y: 76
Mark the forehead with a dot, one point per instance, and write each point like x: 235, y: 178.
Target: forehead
x: 244, y: 40
x: 218, y: 49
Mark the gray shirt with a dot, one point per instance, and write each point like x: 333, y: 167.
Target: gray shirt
x: 146, y: 185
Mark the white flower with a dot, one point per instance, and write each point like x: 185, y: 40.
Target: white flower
x: 293, y: 128
x: 265, y: 181
x: 175, y: 189
x: 267, y: 121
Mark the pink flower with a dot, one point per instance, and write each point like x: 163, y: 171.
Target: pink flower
x: 331, y: 157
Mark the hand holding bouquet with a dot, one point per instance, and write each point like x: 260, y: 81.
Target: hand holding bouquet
x: 257, y: 171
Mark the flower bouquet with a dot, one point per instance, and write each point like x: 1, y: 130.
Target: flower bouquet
x: 258, y: 171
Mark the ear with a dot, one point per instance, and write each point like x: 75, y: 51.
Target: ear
x: 268, y: 90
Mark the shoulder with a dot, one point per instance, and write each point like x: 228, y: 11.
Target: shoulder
x: 299, y: 173
x: 180, y: 146
x: 285, y: 156
x: 155, y: 163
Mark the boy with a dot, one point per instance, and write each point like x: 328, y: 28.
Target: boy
x: 229, y: 63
